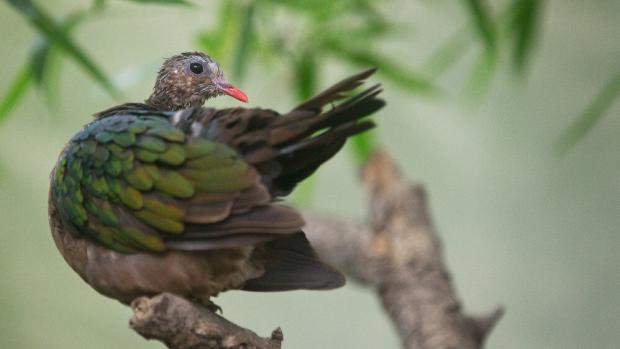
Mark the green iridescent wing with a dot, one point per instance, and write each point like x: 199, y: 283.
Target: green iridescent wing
x: 137, y: 183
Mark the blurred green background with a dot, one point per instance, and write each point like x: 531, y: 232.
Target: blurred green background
x: 504, y: 110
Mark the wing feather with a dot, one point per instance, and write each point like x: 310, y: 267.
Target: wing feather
x: 140, y: 179
x: 135, y: 182
x: 286, y: 149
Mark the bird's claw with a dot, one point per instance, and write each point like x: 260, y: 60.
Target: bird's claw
x: 214, y: 307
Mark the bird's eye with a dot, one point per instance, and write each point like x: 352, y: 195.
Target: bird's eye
x: 196, y: 68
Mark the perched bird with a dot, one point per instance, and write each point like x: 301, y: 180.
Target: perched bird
x: 169, y: 196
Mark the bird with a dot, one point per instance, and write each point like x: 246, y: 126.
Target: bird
x: 172, y: 196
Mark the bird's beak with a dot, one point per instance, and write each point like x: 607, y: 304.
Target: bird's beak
x: 232, y: 91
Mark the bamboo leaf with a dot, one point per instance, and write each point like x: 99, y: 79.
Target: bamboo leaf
x: 40, y: 56
x: 209, y: 42
x: 305, y: 70
x: 305, y: 76
x: 593, y: 114
x: 51, y: 79
x: 457, y: 45
x: 45, y: 59
x: 448, y: 53
x: 525, y: 23
x: 50, y: 29
x: 39, y: 59
x: 16, y: 91
x: 220, y: 41
x: 483, y: 22
x: 304, y: 192
x: 98, y: 5
x: 481, y: 77
x: 401, y: 76
x: 164, y: 2
x: 39, y: 69
x: 3, y: 171
x: 363, y: 146
x: 246, y: 37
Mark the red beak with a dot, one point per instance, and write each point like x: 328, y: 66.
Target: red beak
x: 233, y: 91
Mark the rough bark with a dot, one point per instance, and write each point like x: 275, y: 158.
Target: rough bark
x: 181, y: 324
x: 398, y: 253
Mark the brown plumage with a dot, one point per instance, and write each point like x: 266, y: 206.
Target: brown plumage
x: 187, y: 80
x: 235, y: 237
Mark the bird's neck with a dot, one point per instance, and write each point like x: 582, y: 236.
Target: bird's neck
x: 162, y: 102
x: 173, y: 100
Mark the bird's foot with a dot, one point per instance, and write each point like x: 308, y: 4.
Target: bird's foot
x: 214, y: 307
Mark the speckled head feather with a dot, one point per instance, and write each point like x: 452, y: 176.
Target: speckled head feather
x: 188, y: 80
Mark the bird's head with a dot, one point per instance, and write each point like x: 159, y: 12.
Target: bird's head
x: 187, y: 80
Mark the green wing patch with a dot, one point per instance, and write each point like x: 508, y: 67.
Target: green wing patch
x: 128, y: 181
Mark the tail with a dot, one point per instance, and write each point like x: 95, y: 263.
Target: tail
x: 291, y: 264
x: 307, y: 136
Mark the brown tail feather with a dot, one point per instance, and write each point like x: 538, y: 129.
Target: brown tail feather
x: 306, y: 137
x: 298, y: 161
x: 291, y: 264
x: 336, y: 91
x: 286, y: 149
x: 294, y: 127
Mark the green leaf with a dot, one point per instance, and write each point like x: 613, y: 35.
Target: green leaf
x: 484, y: 24
x: 16, y: 91
x: 98, y: 5
x: 220, y: 42
x: 399, y: 75
x: 593, y: 113
x: 44, y: 59
x: 304, y: 192
x: 480, y: 79
x: 457, y: 45
x: 54, y: 33
x: 246, y: 37
x: 68, y: 23
x: 39, y: 59
x: 448, y: 53
x: 363, y: 146
x: 526, y: 19
x: 165, y: 2
x: 3, y: 171
x: 209, y: 42
x: 51, y: 80
x: 305, y: 76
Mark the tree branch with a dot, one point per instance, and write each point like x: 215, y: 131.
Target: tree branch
x: 181, y: 324
x: 398, y: 253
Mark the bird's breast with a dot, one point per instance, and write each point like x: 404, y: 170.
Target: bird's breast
x: 192, y: 274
